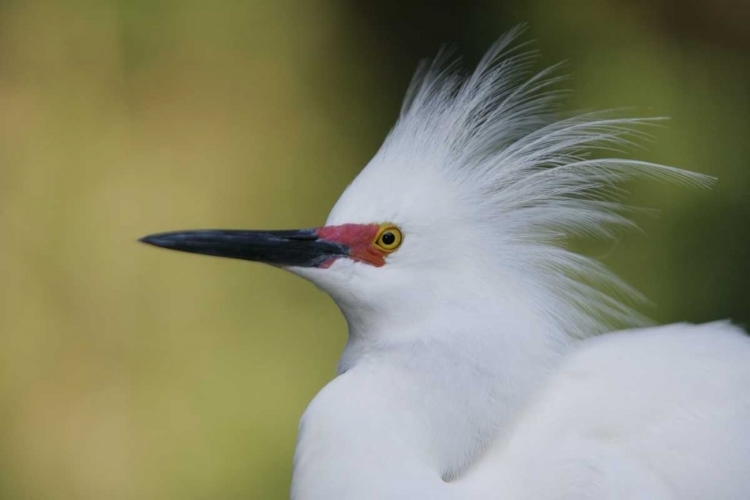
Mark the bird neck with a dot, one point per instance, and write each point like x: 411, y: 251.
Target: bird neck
x: 411, y: 416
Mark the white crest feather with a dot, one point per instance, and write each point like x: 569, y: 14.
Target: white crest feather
x: 532, y: 177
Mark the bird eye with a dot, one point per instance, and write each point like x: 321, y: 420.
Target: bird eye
x: 389, y: 238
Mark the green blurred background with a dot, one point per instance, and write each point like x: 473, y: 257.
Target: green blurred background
x: 132, y: 373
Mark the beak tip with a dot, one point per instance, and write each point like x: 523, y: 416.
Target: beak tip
x: 153, y: 239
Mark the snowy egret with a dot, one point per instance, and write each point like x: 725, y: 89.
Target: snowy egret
x: 474, y: 368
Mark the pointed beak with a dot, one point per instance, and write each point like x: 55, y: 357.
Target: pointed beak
x: 300, y: 248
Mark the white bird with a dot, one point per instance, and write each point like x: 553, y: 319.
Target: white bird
x: 474, y: 368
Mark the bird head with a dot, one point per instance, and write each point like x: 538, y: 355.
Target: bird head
x: 466, y: 203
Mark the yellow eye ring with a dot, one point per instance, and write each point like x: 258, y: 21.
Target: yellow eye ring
x: 389, y: 238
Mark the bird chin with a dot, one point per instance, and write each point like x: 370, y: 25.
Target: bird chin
x: 329, y: 278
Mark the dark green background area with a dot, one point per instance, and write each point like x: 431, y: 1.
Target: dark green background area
x: 132, y: 373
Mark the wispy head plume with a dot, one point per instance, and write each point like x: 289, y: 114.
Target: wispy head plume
x: 529, y: 175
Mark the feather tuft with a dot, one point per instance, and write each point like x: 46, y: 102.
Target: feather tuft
x: 533, y: 177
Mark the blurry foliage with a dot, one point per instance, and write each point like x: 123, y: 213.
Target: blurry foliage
x: 127, y: 372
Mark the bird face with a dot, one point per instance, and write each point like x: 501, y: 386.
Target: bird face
x: 353, y: 262
x: 386, y: 251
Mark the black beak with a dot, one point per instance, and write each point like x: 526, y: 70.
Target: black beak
x: 301, y: 248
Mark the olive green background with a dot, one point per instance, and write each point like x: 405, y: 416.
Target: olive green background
x: 132, y: 373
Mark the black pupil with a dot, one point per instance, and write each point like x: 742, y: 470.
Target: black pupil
x: 388, y: 238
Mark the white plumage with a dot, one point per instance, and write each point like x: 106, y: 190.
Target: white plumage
x: 474, y: 369
x: 463, y: 377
